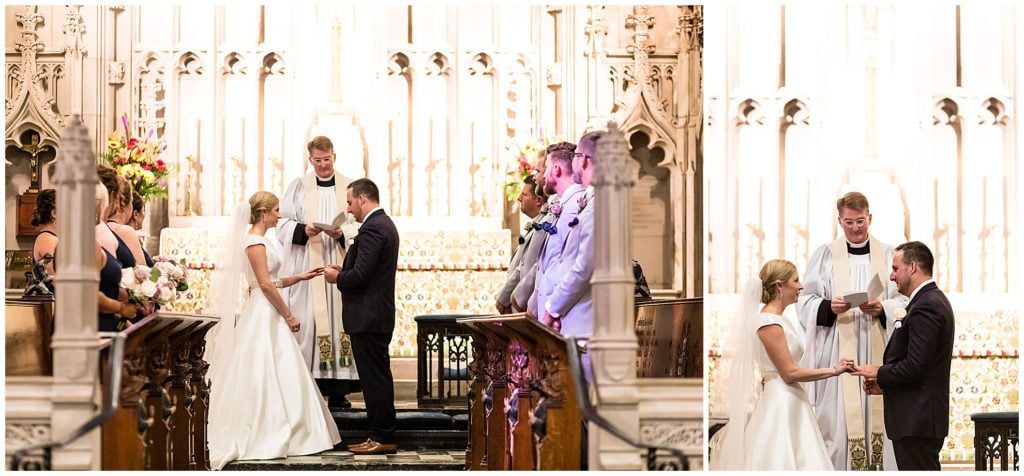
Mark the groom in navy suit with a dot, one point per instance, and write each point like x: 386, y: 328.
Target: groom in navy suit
x: 366, y: 280
x: 914, y: 379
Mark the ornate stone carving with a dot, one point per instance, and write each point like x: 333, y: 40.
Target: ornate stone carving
x: 613, y: 167
x: 115, y: 73
x: 20, y: 435
x: 30, y: 104
x: 151, y: 96
x: 691, y: 28
x: 74, y: 30
x: 596, y: 31
x: 676, y: 434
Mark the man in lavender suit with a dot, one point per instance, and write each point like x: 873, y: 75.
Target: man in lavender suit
x: 558, y: 179
x: 569, y: 307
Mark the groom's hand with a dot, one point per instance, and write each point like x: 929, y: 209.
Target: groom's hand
x: 312, y: 231
x: 871, y: 387
x: 331, y: 274
x: 867, y: 371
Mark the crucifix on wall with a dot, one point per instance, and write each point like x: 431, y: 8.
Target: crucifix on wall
x: 37, y: 158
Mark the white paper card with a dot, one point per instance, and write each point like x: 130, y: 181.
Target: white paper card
x: 875, y: 287
x: 856, y: 299
x: 335, y: 223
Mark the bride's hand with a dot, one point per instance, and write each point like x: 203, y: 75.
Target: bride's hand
x: 845, y: 365
x: 311, y: 274
x: 293, y: 323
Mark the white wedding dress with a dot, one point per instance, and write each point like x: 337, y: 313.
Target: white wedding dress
x: 782, y: 433
x: 264, y: 403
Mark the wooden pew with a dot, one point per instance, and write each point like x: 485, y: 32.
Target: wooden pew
x: 519, y: 375
x: 161, y: 420
x: 28, y: 328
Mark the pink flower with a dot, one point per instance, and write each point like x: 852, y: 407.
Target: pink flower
x: 141, y: 273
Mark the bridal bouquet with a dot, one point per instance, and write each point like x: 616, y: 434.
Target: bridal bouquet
x: 158, y: 285
x: 138, y: 160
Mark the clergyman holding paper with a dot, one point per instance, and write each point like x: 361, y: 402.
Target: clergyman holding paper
x: 311, y: 208
x: 847, y: 308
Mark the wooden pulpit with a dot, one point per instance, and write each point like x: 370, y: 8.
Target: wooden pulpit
x: 523, y: 412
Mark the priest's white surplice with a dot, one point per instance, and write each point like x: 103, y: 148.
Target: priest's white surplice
x: 317, y: 303
x: 866, y: 337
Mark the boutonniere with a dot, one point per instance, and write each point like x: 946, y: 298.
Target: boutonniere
x: 582, y: 202
x: 898, y: 316
x: 556, y: 208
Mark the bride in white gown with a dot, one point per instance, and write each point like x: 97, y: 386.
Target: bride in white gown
x: 264, y: 403
x: 781, y: 433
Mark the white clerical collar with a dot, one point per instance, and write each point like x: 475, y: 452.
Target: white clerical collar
x: 858, y: 245
x: 371, y: 212
x: 918, y: 288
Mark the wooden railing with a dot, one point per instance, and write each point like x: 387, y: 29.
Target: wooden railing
x: 996, y: 437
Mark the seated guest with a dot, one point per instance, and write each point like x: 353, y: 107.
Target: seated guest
x: 112, y: 308
x: 45, y: 217
x: 119, y: 216
x: 105, y: 235
x: 521, y: 268
x: 135, y: 221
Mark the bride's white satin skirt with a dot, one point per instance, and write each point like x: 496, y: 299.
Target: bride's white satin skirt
x: 268, y: 405
x: 782, y: 433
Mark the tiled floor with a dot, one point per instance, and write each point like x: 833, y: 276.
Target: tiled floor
x: 422, y: 460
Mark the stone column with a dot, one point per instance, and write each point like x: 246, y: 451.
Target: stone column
x: 613, y: 345
x: 75, y: 343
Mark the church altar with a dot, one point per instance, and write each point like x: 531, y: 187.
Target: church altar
x: 445, y: 266
x: 984, y: 375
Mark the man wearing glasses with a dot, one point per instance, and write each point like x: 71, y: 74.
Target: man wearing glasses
x: 851, y: 424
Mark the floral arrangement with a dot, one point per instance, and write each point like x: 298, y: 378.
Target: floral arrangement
x: 138, y: 160
x: 525, y: 165
x: 158, y: 285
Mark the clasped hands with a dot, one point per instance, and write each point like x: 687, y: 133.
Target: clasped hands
x: 872, y: 308
x: 331, y: 273
x: 866, y: 371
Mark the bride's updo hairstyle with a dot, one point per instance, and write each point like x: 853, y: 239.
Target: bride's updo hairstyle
x: 260, y: 203
x: 776, y: 271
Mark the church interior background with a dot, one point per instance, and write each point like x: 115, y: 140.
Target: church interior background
x: 914, y: 105
x: 433, y: 103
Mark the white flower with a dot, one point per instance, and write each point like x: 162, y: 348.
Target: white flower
x: 128, y: 278
x: 148, y: 289
x: 900, y: 313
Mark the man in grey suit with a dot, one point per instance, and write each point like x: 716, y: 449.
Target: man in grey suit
x: 521, y: 268
x: 569, y: 306
x: 557, y: 179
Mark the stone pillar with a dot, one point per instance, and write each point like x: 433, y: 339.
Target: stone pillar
x: 613, y: 345
x: 75, y: 343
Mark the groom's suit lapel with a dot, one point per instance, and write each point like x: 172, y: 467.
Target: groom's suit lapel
x: 910, y: 307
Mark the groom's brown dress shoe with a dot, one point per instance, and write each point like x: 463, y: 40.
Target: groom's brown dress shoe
x: 360, y: 444
x: 375, y: 448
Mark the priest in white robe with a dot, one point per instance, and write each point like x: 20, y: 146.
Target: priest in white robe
x: 318, y: 197
x: 833, y: 328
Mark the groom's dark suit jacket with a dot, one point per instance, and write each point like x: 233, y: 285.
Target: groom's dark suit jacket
x: 915, y: 374
x: 367, y: 278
